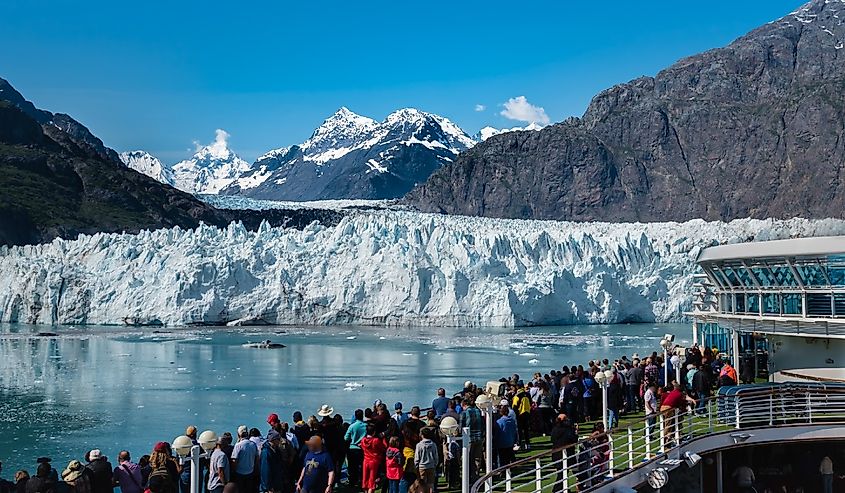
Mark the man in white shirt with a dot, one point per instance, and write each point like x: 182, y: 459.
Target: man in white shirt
x: 244, y: 462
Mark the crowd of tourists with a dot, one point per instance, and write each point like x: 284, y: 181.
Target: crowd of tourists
x: 399, y: 451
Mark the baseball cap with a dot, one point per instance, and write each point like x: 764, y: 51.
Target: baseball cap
x: 159, y: 447
x: 397, y: 406
x: 242, y: 430
x: 273, y: 419
x: 95, y: 454
x: 468, y: 383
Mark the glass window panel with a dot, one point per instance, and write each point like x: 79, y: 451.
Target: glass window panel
x: 740, y: 303
x: 752, y: 303
x: 771, y: 303
x: 812, y: 275
x: 839, y: 304
x: 791, y: 304
x: 782, y: 276
x: 745, y: 277
x: 731, y: 275
x: 764, y: 276
x: 727, y: 303
x: 836, y: 270
x: 818, y: 304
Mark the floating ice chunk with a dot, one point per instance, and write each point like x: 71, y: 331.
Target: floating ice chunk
x: 533, y: 361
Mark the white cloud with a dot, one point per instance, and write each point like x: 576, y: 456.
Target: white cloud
x: 220, y: 144
x: 221, y: 140
x: 520, y: 109
x: 480, y: 107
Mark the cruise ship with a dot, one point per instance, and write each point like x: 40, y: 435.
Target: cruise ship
x: 776, y: 309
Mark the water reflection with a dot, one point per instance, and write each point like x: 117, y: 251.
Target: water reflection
x: 110, y: 388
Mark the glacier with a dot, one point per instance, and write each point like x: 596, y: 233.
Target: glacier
x: 381, y: 267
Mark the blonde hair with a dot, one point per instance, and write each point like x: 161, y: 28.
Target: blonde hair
x: 158, y: 460
x: 21, y: 475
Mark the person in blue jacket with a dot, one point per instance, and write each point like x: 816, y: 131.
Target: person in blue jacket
x: 273, y: 466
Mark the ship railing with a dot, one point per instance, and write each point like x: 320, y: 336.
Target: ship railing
x: 596, y: 459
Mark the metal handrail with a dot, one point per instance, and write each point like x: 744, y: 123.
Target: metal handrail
x: 601, y: 457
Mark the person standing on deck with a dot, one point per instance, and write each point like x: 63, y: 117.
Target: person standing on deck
x: 127, y: 474
x: 471, y: 418
x: 355, y: 457
x: 218, y: 468
x: 399, y: 416
x: 440, y: 403
x: 505, y: 436
x: 318, y: 471
x: 245, y: 462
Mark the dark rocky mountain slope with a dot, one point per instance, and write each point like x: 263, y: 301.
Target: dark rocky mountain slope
x: 59, y: 180
x: 754, y: 129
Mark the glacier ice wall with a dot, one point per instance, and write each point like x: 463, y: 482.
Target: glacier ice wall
x: 376, y: 267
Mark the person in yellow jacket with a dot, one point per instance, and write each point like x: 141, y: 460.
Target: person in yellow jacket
x: 522, y: 406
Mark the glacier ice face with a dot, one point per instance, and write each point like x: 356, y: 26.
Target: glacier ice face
x: 375, y: 267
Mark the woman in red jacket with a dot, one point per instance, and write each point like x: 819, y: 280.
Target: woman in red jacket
x: 374, y: 450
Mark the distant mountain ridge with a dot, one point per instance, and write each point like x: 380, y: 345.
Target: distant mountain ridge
x: 348, y: 156
x: 354, y: 157
x: 754, y: 129
x: 59, y: 180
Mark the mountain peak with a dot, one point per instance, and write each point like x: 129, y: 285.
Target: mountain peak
x: 144, y: 162
x: 211, y: 168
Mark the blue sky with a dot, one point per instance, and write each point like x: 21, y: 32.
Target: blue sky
x: 160, y: 75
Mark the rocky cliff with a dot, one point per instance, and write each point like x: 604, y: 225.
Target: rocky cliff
x: 754, y: 129
x: 58, y: 180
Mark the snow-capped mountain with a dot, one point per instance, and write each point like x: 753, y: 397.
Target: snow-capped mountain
x: 386, y: 267
x: 354, y: 157
x: 487, y: 132
x: 146, y: 163
x: 211, y: 168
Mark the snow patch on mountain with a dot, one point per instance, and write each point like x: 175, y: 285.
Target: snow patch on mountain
x: 487, y: 132
x: 376, y: 267
x: 211, y: 168
x: 146, y: 163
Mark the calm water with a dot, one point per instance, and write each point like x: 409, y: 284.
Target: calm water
x: 113, y: 388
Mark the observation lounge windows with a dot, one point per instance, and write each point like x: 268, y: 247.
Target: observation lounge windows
x: 813, y: 275
x: 752, y: 303
x: 771, y: 303
x: 836, y: 270
x: 819, y: 304
x: 740, y: 303
x: 792, y: 304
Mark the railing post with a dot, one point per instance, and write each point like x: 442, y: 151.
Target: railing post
x: 538, y: 482
x: 630, y: 448
x: 662, y: 434
x: 809, y: 408
x: 196, y: 484
x: 678, y: 420
x: 508, y: 479
x: 647, y: 437
x: 465, y: 461
x: 736, y: 410
x: 610, y: 459
x: 565, y: 469
x: 708, y: 408
x: 771, y: 409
